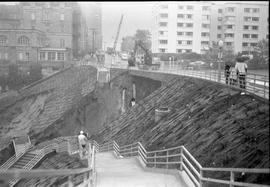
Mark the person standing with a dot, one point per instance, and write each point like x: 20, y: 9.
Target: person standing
x: 227, y: 72
x: 82, y: 142
x: 241, y: 69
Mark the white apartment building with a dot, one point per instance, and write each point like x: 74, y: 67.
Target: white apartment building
x: 180, y: 27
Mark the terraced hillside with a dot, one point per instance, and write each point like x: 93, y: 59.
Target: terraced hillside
x: 218, y: 125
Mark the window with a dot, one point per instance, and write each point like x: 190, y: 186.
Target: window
x: 204, y: 43
x: 189, y: 16
x: 188, y: 50
x: 180, y: 33
x: 180, y: 42
x: 244, y: 44
x: 206, y: 17
x: 247, y: 10
x: 33, y: 17
x: 246, y: 35
x: 62, y: 17
x: 255, y: 10
x: 62, y: 43
x: 189, y: 25
x: 228, y: 43
x: 163, y: 24
x: 161, y: 32
x: 246, y: 27
x: 254, y: 36
x: 42, y: 56
x: 3, y: 39
x: 255, y: 19
x: 163, y: 15
x: 219, y: 27
x: 51, y: 55
x: 190, y: 7
x: 205, y: 8
x: 180, y: 24
x: 179, y: 50
x: 180, y: 7
x: 254, y: 27
x: 229, y: 35
x: 247, y: 18
x: 219, y: 10
x: 219, y: 18
x: 205, y: 34
x: 189, y: 42
x: 253, y: 44
x: 189, y: 33
x: 230, y: 18
x: 162, y: 50
x: 23, y: 40
x: 60, y: 56
x: 229, y: 26
x: 218, y: 35
x: 180, y: 15
x: 163, y: 41
x: 205, y: 26
x: 164, y: 6
x: 230, y: 9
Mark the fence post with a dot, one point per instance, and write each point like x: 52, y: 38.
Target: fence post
x: 167, y: 159
x: 231, y: 178
x: 70, y: 183
x: 264, y: 89
x: 201, y: 176
x: 181, y: 159
x: 155, y: 159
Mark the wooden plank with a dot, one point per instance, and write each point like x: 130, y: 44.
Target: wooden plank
x: 245, y: 170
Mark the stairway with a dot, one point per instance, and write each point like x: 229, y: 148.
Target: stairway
x: 117, y: 172
x: 26, y: 158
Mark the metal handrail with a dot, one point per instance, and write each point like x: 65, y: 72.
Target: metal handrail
x: 186, y: 161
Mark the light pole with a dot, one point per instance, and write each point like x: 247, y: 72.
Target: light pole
x: 220, y: 45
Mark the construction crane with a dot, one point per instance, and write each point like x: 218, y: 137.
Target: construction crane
x: 112, y: 50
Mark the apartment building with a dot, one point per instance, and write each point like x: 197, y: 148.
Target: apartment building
x: 180, y: 27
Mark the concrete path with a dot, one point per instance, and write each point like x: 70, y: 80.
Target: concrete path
x: 128, y: 172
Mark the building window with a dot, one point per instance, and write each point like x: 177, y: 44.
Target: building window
x: 3, y: 40
x: 246, y: 27
x: 180, y: 42
x: 230, y: 9
x: 219, y: 27
x: 230, y: 18
x: 246, y: 35
x: 163, y: 6
x: 62, y: 17
x: 244, y: 44
x: 180, y: 15
x: 51, y: 55
x: 229, y: 35
x: 205, y: 8
x: 255, y: 18
x: 180, y: 7
x: 206, y: 17
x: 254, y: 27
x: 60, y: 56
x: 204, y: 42
x: 247, y: 10
x: 228, y: 43
x: 161, y: 33
x: 255, y: 10
x: 163, y: 15
x: 220, y: 11
x: 229, y: 26
x: 163, y: 24
x: 218, y: 35
x: 219, y: 18
x: 247, y: 18
x: 180, y: 24
x: 206, y: 26
x: 189, y: 16
x: 179, y: 50
x: 188, y: 50
x: 190, y: 7
x: 163, y: 41
x: 62, y: 43
x: 23, y: 40
x: 162, y: 50
x: 180, y: 33
x: 253, y: 44
x: 42, y: 56
x: 254, y: 36
x: 189, y: 42
x: 189, y: 33
x: 189, y: 25
x: 205, y: 34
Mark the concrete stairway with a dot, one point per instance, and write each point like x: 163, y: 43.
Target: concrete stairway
x: 117, y: 172
x: 25, y: 159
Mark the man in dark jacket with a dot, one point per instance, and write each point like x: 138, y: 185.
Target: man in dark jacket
x: 227, y: 72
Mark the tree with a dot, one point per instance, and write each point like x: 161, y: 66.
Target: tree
x: 128, y: 43
x: 262, y: 51
x: 145, y: 37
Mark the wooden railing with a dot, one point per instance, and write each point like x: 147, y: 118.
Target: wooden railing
x: 179, y: 158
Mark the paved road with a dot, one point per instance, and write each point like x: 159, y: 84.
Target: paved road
x: 127, y: 172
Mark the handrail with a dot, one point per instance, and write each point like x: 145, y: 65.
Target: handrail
x: 186, y: 161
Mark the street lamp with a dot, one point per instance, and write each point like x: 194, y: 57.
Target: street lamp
x: 220, y: 45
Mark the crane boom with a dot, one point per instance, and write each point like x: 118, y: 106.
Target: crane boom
x: 118, y: 31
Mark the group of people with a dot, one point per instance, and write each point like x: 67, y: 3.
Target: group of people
x: 237, y: 74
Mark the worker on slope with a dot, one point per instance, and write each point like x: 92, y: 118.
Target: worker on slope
x: 82, y: 142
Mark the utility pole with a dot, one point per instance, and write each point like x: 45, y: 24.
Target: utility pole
x: 220, y: 44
